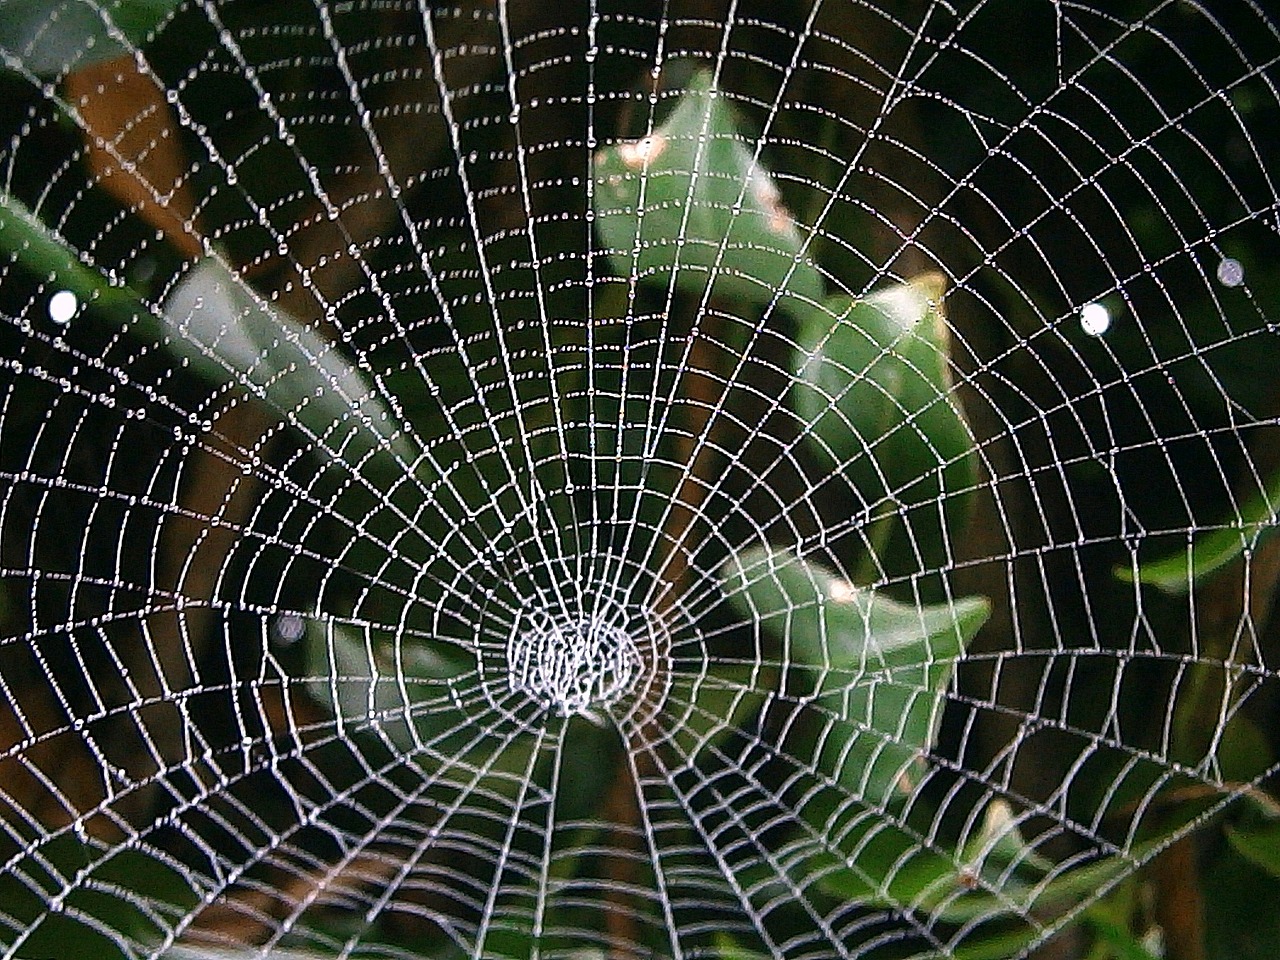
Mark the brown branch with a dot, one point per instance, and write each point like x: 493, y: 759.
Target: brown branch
x: 133, y: 147
x: 1179, y: 902
x: 249, y: 916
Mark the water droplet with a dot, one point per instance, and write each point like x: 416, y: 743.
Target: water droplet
x: 290, y: 627
x: 1230, y: 272
x: 1095, y: 319
x: 62, y: 307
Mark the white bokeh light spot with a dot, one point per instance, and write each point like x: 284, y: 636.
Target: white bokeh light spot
x: 1230, y: 272
x: 1095, y: 319
x: 63, y: 306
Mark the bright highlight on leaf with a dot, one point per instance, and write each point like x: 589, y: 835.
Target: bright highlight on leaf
x: 232, y: 336
x: 874, y: 389
x: 878, y: 669
x: 50, y: 38
x: 229, y: 336
x: 376, y: 686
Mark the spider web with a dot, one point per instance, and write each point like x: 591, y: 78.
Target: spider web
x: 458, y: 668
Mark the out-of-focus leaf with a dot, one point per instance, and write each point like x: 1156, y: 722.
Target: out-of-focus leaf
x: 53, y: 36
x: 588, y: 768
x: 370, y: 682
x: 214, y: 324
x: 228, y: 335
x: 1122, y: 943
x: 1182, y: 572
x: 45, y: 254
x: 103, y: 896
x: 719, y: 703
x: 894, y: 870
x: 1240, y: 882
x: 690, y: 199
x: 1244, y: 750
x: 727, y: 949
x: 874, y: 388
x: 877, y: 668
x: 996, y: 886
x: 1259, y: 844
x: 998, y: 946
x: 184, y: 952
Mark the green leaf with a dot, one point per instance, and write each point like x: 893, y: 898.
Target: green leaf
x: 371, y: 683
x: 1182, y: 572
x: 727, y: 949
x: 690, y: 199
x: 877, y: 668
x: 46, y: 255
x: 227, y: 336
x: 53, y: 37
x: 418, y: 698
x: 719, y: 703
x: 1121, y: 941
x: 874, y: 390
x: 1240, y: 884
x: 989, y: 889
x: 588, y: 768
x: 893, y: 869
x: 1244, y: 750
x: 1259, y: 844
x: 997, y: 886
x: 183, y: 952
x: 104, y: 895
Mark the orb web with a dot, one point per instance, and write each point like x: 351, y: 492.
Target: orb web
x: 608, y: 480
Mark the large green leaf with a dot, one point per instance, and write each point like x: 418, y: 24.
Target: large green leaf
x: 185, y: 952
x: 54, y: 36
x: 214, y: 324
x: 1240, y: 883
x: 44, y: 254
x: 996, y: 887
x: 1259, y: 844
x: 874, y: 389
x: 996, y: 874
x: 1182, y: 572
x: 417, y: 696
x: 718, y: 704
x: 105, y: 897
x: 229, y: 335
x: 877, y: 668
x: 690, y: 199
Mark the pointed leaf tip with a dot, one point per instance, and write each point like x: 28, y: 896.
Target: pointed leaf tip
x: 878, y: 667
x: 690, y: 200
